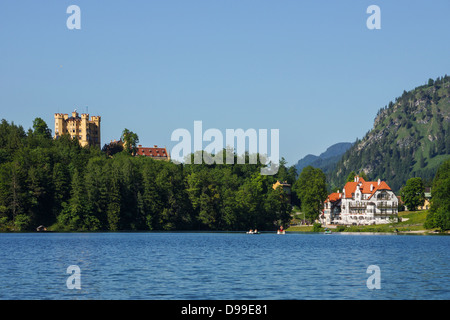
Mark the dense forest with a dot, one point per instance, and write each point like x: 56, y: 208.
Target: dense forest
x: 59, y: 184
x: 410, y: 138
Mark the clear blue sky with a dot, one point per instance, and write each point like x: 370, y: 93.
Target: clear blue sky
x: 309, y: 68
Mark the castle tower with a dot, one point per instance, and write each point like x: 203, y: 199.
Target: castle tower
x: 84, y: 132
x: 95, y: 137
x: 60, y: 125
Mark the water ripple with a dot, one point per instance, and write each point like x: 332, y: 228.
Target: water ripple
x: 223, y: 266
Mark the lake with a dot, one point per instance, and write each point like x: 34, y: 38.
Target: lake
x: 223, y: 266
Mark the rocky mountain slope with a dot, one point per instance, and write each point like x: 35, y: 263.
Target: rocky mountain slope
x: 410, y: 137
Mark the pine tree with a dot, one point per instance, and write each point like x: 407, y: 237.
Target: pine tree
x: 113, y: 211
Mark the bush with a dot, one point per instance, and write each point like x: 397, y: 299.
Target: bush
x: 22, y: 222
x: 317, y: 227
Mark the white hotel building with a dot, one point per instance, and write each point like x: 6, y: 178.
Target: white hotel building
x: 361, y: 203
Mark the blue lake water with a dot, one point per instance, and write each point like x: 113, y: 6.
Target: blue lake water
x: 223, y: 266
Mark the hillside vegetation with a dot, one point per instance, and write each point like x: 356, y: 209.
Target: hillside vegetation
x: 59, y: 184
x: 410, y: 138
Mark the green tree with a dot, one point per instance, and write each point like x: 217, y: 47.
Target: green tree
x: 351, y: 176
x: 96, y: 189
x: 205, y: 198
x: 312, y: 190
x: 413, y: 193
x: 112, y: 148
x: 113, y: 211
x: 439, y: 214
x: 277, y: 207
x: 13, y: 190
x: 130, y: 140
x: 61, y: 187
x: 288, y: 174
x: 151, y: 202
x: 171, y: 185
x: 40, y: 195
x: 22, y: 222
x: 41, y: 129
x: 12, y: 139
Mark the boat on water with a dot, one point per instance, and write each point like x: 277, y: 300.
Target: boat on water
x: 281, y: 232
x: 327, y: 231
x: 253, y: 232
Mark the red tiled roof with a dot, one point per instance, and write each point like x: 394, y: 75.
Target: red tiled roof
x: 333, y: 197
x: 383, y: 186
x: 364, y: 187
x: 350, y: 187
x: 152, y: 152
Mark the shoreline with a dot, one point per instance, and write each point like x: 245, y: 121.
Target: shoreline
x: 411, y: 232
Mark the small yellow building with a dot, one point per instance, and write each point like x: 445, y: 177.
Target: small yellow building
x: 427, y: 203
x: 285, y: 186
x: 86, y: 130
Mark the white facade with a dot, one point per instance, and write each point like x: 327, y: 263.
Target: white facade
x: 361, y: 203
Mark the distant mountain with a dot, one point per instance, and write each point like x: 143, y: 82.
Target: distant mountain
x: 326, y: 160
x: 410, y: 137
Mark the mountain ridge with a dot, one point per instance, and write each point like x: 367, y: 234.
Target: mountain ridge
x: 326, y: 160
x: 410, y: 137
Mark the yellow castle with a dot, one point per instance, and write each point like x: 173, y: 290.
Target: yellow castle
x: 86, y: 130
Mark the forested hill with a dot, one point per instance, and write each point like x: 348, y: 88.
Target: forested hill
x: 410, y: 137
x: 59, y: 184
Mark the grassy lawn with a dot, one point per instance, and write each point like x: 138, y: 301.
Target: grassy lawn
x: 414, y: 222
x: 300, y: 228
